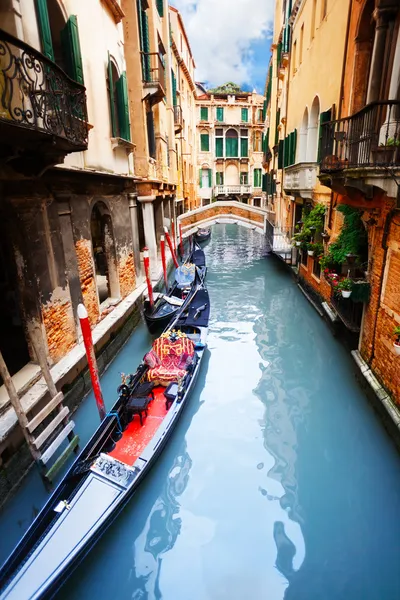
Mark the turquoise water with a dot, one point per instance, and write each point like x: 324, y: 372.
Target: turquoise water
x: 279, y: 481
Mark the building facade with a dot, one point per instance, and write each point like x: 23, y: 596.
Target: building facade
x: 332, y: 130
x: 229, y: 146
x: 89, y: 170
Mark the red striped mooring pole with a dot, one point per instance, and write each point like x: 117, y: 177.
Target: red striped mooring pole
x: 91, y: 358
x: 146, y: 261
x: 163, y: 260
x: 171, y: 247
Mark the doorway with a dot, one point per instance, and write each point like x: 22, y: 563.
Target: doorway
x: 104, y: 255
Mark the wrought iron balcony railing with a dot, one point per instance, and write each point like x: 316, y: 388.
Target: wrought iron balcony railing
x: 369, y: 138
x: 154, y: 74
x: 36, y: 96
x: 178, y: 120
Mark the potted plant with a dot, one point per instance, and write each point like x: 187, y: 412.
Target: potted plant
x: 315, y: 249
x: 325, y: 236
x: 396, y: 343
x: 345, y: 285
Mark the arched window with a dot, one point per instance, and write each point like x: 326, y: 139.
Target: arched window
x: 204, y: 141
x: 313, y: 125
x: 232, y: 143
x: 104, y: 252
x: 302, y: 156
x: 257, y: 141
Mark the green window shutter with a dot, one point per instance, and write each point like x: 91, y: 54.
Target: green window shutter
x: 294, y: 145
x: 257, y: 178
x: 204, y: 142
x: 220, y: 114
x: 174, y: 96
x: 286, y: 152
x: 278, y: 55
x: 123, y: 108
x: 280, y: 154
x: 201, y: 178
x: 244, y: 147
x: 219, y: 147
x: 160, y: 7
x: 144, y: 42
x: 264, y: 182
x: 44, y: 28
x: 324, y: 117
x: 232, y: 147
x: 209, y: 178
x: 71, y: 49
x: 245, y: 115
x: 266, y: 141
x: 203, y: 113
x: 114, y: 132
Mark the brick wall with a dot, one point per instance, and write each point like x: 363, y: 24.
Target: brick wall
x: 127, y: 274
x: 321, y: 286
x: 83, y: 250
x: 59, y: 324
x: 215, y: 210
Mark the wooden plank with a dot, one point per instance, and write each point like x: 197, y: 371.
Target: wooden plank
x: 46, y: 433
x: 62, y: 459
x: 57, y: 442
x: 50, y: 406
x: 36, y: 338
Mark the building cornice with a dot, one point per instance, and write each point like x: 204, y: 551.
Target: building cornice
x: 115, y: 9
x: 183, y: 65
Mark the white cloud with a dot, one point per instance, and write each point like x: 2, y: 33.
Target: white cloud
x: 221, y: 33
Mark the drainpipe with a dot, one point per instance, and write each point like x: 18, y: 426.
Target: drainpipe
x: 341, y: 98
x: 385, y: 248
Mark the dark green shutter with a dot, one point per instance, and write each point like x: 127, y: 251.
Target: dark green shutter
x: 266, y: 141
x: 244, y: 147
x: 278, y: 55
x: 204, y: 113
x: 71, y: 49
x: 269, y: 86
x: 278, y: 118
x: 144, y: 41
x: 219, y: 147
x: 294, y: 145
x: 201, y: 178
x: 209, y: 178
x: 112, y: 100
x: 174, y: 96
x: 286, y: 152
x: 232, y: 147
x: 280, y: 154
x: 204, y: 142
x: 264, y: 182
x: 44, y: 28
x: 220, y: 114
x: 123, y: 107
x: 257, y: 178
x: 324, y: 117
x: 245, y: 115
x: 160, y: 7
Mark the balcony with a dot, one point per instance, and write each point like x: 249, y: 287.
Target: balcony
x: 178, y: 120
x: 153, y: 70
x: 369, y: 141
x: 43, y: 112
x: 300, y: 179
x: 232, y: 190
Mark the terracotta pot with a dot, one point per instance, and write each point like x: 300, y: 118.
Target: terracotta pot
x: 396, y: 348
x: 346, y: 293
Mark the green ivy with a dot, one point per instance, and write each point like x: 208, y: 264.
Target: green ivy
x: 353, y: 238
x: 313, y: 218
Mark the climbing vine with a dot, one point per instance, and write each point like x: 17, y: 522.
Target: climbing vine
x: 312, y: 224
x: 352, y: 239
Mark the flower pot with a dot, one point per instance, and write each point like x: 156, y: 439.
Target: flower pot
x: 396, y: 348
x: 298, y: 244
x: 346, y: 293
x: 310, y: 252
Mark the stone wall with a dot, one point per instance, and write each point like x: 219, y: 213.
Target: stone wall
x: 216, y: 209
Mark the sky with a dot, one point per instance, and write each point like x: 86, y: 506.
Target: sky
x: 230, y: 40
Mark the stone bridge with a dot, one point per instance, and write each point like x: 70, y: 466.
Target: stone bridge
x: 224, y: 212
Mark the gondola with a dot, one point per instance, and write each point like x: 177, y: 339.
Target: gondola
x: 114, y: 462
x: 166, y: 306
x: 202, y: 235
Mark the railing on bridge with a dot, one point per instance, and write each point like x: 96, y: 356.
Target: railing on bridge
x: 280, y: 242
x: 369, y: 138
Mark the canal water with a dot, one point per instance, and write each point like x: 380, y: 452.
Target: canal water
x: 279, y: 481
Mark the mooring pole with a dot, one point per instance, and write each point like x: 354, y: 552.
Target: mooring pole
x: 164, y: 261
x: 171, y: 247
x: 146, y: 261
x: 91, y: 358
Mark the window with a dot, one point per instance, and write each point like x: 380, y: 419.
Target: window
x: 301, y: 44
x: 205, y: 178
x: 257, y: 202
x: 257, y: 143
x: 203, y: 113
x: 257, y: 178
x: 316, y: 268
x: 245, y: 115
x: 220, y: 114
x: 174, y: 96
x: 151, y: 137
x: 160, y: 7
x: 219, y: 178
x: 261, y: 116
x: 144, y: 38
x: 304, y: 257
x: 119, y: 104
x: 294, y: 57
x: 204, y: 142
x: 232, y: 143
x: 314, y: 9
x: 244, y: 143
x: 244, y: 178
